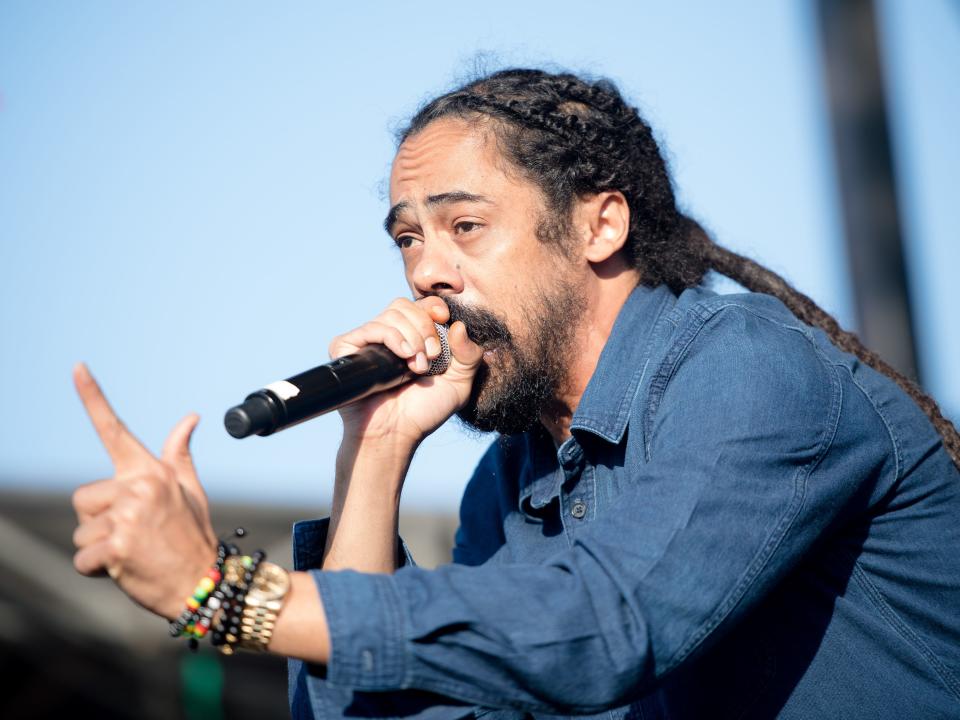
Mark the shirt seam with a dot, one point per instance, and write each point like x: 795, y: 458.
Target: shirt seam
x: 894, y: 441
x: 903, y: 629
x: 762, y: 557
x: 774, y: 540
x: 661, y: 378
x: 393, y: 602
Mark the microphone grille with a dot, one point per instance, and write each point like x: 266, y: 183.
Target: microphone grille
x: 441, y: 362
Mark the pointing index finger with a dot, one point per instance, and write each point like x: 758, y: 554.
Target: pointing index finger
x: 124, y: 449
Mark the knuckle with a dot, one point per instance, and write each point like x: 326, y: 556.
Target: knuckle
x: 426, y: 327
x: 374, y: 332
x: 125, y: 515
x: 393, y: 316
x: 145, y: 488
x: 421, y: 322
x: 426, y: 305
x: 334, y: 346
x: 117, y: 547
x: 429, y: 301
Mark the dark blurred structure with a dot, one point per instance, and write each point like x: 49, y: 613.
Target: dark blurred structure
x: 74, y: 646
x: 866, y: 179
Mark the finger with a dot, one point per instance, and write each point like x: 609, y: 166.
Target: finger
x: 373, y: 333
x: 422, y: 320
x: 93, y: 498
x: 93, y: 530
x: 411, y: 333
x: 465, y: 352
x: 98, y: 558
x: 176, y: 448
x: 124, y: 449
x: 436, y: 308
x: 176, y: 453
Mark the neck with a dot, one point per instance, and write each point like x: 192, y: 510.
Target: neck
x: 604, y: 297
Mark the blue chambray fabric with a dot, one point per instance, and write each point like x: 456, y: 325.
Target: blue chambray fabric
x: 745, y: 523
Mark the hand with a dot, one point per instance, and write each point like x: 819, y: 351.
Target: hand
x: 148, y: 526
x: 407, y: 414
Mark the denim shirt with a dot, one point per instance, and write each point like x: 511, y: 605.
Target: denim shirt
x: 746, y: 523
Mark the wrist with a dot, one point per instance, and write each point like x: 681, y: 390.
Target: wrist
x: 190, y: 580
x: 384, y: 445
x: 388, y: 458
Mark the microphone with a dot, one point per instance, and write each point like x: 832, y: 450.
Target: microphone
x: 370, y: 370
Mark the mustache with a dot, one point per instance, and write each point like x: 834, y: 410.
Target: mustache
x: 483, y: 326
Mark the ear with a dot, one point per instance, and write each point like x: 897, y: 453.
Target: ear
x: 605, y: 222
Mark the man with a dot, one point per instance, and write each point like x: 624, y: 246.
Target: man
x: 698, y: 506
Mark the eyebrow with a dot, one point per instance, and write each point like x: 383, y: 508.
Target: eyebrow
x: 447, y: 198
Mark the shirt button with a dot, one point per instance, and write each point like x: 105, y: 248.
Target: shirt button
x: 366, y: 660
x: 578, y: 509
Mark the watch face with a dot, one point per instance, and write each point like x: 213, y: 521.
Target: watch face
x: 270, y: 583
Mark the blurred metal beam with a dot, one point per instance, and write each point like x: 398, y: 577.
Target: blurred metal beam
x: 85, y: 606
x: 868, y: 192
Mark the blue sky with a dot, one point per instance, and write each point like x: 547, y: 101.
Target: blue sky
x: 191, y: 196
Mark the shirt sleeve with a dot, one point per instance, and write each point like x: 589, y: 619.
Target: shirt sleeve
x: 740, y: 415
x: 311, y: 697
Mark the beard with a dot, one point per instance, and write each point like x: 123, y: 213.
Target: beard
x: 520, y: 381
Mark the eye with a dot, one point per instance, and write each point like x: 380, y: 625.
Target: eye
x: 405, y: 241
x: 465, y: 226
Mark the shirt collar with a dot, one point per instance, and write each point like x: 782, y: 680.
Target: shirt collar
x: 604, y: 408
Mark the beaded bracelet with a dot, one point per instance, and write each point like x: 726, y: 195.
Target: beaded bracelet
x: 186, y: 622
x: 236, y: 580
x: 200, y: 607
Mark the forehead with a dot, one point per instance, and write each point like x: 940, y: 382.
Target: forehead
x: 447, y: 153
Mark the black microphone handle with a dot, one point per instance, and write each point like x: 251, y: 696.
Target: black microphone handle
x: 279, y: 405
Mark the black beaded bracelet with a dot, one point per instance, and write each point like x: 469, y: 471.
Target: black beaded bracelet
x: 234, y: 585
x: 197, y: 616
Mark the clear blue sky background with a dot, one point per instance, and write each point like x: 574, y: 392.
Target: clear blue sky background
x: 191, y: 194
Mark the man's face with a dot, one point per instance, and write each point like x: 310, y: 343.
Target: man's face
x: 467, y: 228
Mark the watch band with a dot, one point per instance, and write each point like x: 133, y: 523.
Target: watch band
x: 256, y: 628
x: 254, y: 598
x: 263, y: 601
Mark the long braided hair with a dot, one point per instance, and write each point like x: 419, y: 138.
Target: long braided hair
x: 573, y: 137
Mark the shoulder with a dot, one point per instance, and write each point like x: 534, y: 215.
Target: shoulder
x: 742, y: 359
x: 741, y: 335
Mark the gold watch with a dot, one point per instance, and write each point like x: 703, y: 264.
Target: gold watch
x: 263, y: 601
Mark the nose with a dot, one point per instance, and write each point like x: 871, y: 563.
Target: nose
x: 435, y: 270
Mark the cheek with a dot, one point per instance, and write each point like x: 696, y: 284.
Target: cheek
x: 408, y: 274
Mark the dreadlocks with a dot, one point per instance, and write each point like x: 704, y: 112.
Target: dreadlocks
x: 572, y: 138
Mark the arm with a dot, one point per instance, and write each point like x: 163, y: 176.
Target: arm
x: 381, y: 434
x: 366, y: 503
x: 149, y: 527
x: 723, y: 509
x: 478, y: 537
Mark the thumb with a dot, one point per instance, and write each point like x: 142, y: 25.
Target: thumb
x: 176, y: 451
x: 465, y: 352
